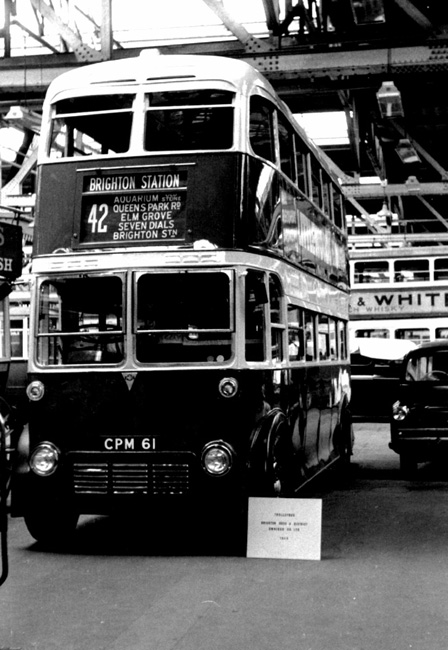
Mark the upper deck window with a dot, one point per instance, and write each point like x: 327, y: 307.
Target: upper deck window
x: 189, y: 120
x: 441, y: 268
x: 372, y: 271
x: 261, y: 127
x: 91, y: 125
x: 411, y: 270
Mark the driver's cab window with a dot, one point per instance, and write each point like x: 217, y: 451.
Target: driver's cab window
x: 256, y: 301
x: 264, y: 304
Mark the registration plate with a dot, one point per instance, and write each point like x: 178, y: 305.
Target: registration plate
x: 130, y: 443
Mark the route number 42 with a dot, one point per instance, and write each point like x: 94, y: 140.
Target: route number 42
x: 96, y: 218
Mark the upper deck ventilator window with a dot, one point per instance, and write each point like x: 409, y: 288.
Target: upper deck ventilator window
x: 91, y: 125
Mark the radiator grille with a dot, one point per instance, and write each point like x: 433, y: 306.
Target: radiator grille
x: 149, y: 478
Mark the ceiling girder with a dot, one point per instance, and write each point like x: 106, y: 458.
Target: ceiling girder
x: 421, y: 150
x: 413, y: 12
x: 250, y: 43
x: 272, y: 13
x: 84, y: 53
x: 378, y: 191
x: 36, y: 72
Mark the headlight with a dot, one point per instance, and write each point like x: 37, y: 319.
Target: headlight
x: 228, y: 387
x: 35, y: 391
x: 217, y: 458
x: 399, y: 411
x: 44, y: 459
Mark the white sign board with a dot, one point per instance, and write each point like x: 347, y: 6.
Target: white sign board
x: 289, y: 529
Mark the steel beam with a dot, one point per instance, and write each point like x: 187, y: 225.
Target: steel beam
x: 410, y: 188
x: 36, y: 72
x: 84, y: 53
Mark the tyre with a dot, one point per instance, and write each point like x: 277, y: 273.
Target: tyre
x: 270, y: 471
x: 52, y: 527
x: 408, y: 466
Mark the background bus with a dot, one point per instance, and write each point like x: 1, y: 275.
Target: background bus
x: 189, y: 309
x: 398, y: 294
x: 19, y: 308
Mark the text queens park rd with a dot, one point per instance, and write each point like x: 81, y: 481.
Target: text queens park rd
x: 145, y: 207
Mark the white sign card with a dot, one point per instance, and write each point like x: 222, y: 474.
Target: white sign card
x: 288, y: 529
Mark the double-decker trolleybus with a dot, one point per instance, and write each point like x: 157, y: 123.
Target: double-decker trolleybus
x: 189, y: 305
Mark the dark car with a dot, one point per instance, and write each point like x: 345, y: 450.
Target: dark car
x: 375, y: 365
x: 419, y: 421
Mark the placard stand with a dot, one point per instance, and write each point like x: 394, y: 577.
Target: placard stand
x: 289, y: 529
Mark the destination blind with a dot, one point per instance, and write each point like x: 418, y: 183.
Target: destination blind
x: 129, y: 208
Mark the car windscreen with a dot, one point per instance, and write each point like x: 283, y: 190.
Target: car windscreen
x: 430, y: 366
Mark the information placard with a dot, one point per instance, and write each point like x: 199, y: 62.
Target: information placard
x: 130, y: 208
x: 289, y: 529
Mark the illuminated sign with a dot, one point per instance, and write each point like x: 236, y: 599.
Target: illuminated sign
x: 128, y: 208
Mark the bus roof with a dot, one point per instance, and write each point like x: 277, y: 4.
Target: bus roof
x: 150, y: 67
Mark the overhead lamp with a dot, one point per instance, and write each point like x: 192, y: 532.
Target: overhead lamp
x: 389, y: 100
x: 406, y: 151
x: 385, y: 213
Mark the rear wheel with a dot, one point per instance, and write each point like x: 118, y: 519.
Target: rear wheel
x: 51, y: 527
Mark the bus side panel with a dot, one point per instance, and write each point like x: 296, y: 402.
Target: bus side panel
x: 323, y: 394
x: 279, y: 218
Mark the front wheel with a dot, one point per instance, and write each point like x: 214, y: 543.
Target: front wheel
x: 408, y: 466
x: 270, y: 471
x: 51, y: 527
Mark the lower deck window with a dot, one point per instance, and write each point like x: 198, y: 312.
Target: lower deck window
x: 372, y: 334
x: 413, y: 334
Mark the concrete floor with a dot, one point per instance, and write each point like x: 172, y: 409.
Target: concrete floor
x: 382, y: 583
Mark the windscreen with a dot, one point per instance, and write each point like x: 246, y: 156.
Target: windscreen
x: 431, y: 366
x: 80, y: 321
x: 184, y: 317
